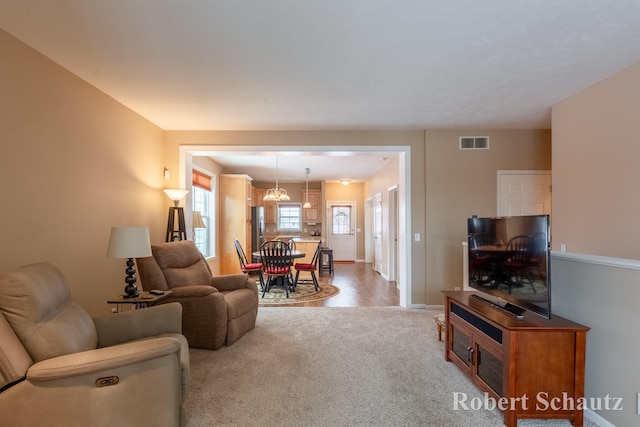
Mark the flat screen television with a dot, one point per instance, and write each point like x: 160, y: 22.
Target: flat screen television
x: 509, y: 262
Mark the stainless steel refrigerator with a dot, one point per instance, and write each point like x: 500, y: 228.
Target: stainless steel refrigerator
x: 257, y: 229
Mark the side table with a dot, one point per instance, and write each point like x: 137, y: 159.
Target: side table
x: 144, y: 299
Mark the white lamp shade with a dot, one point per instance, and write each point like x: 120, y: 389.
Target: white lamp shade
x: 198, y: 222
x: 175, y: 194
x: 129, y: 242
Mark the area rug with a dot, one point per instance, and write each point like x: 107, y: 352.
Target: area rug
x: 304, y: 293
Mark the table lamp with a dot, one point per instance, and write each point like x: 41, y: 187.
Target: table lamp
x: 129, y: 243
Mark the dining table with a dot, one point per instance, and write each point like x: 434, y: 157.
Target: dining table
x: 282, y: 282
x: 497, y: 255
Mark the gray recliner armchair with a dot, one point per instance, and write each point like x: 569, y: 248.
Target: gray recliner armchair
x: 60, y: 367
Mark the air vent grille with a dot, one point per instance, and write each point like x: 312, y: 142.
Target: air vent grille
x: 474, y: 142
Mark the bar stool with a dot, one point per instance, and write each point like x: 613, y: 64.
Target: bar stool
x: 326, y: 264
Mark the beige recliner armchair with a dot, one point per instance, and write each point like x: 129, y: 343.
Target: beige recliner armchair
x: 217, y: 310
x: 59, y: 367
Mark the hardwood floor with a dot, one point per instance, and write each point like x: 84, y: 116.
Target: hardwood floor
x: 359, y: 286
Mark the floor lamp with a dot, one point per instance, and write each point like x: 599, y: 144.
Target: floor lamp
x: 176, y: 231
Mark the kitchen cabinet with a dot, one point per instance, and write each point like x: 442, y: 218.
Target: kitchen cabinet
x: 235, y: 219
x: 269, y: 206
x: 312, y: 215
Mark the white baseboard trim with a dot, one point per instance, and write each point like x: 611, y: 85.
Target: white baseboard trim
x: 593, y: 416
x: 423, y: 306
x: 632, y: 264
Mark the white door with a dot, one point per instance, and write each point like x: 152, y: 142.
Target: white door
x: 341, y: 232
x: 393, y: 233
x: 377, y: 232
x: 524, y: 193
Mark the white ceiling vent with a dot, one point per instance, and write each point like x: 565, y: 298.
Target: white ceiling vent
x: 474, y: 142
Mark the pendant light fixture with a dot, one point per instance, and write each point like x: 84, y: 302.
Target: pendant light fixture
x: 276, y: 194
x: 307, y: 205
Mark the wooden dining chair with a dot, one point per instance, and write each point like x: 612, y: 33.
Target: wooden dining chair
x: 246, y: 266
x: 276, y: 265
x: 311, y: 267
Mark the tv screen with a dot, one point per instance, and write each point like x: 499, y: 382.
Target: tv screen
x: 509, y: 262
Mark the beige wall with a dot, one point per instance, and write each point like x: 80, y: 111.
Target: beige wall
x: 596, y: 154
x: 595, y: 211
x: 74, y: 163
x: 461, y: 183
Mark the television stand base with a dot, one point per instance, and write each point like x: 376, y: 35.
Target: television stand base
x: 518, y: 361
x: 503, y: 306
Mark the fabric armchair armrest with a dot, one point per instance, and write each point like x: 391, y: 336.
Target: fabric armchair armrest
x: 231, y: 282
x: 133, y: 325
x: 102, y: 359
x: 193, y: 291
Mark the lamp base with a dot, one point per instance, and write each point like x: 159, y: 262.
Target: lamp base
x: 131, y: 290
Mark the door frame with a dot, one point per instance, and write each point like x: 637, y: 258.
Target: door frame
x: 392, y: 251
x: 405, y: 247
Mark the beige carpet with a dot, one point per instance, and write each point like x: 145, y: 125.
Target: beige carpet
x: 321, y: 366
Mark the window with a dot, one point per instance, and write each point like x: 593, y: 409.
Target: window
x: 202, y: 197
x: 341, y: 223
x: 289, y: 216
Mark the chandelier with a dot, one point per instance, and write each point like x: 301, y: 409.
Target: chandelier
x: 276, y: 194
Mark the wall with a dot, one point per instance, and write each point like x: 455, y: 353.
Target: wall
x: 595, y: 209
x: 74, y: 163
x: 461, y: 183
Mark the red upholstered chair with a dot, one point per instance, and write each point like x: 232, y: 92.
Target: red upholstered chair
x: 247, y: 267
x: 311, y: 268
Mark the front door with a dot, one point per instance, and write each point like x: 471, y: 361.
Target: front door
x: 341, y: 231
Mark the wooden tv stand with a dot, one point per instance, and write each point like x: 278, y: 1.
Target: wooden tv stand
x: 539, y: 359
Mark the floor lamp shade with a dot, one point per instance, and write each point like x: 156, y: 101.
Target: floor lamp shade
x: 129, y: 243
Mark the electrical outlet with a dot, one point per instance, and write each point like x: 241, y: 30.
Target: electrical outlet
x: 457, y: 288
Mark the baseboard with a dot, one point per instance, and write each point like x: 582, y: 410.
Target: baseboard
x: 435, y: 307
x: 593, y: 416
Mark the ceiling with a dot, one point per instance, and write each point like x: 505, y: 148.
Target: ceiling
x: 334, y: 64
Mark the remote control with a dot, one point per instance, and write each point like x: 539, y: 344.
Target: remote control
x: 156, y: 292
